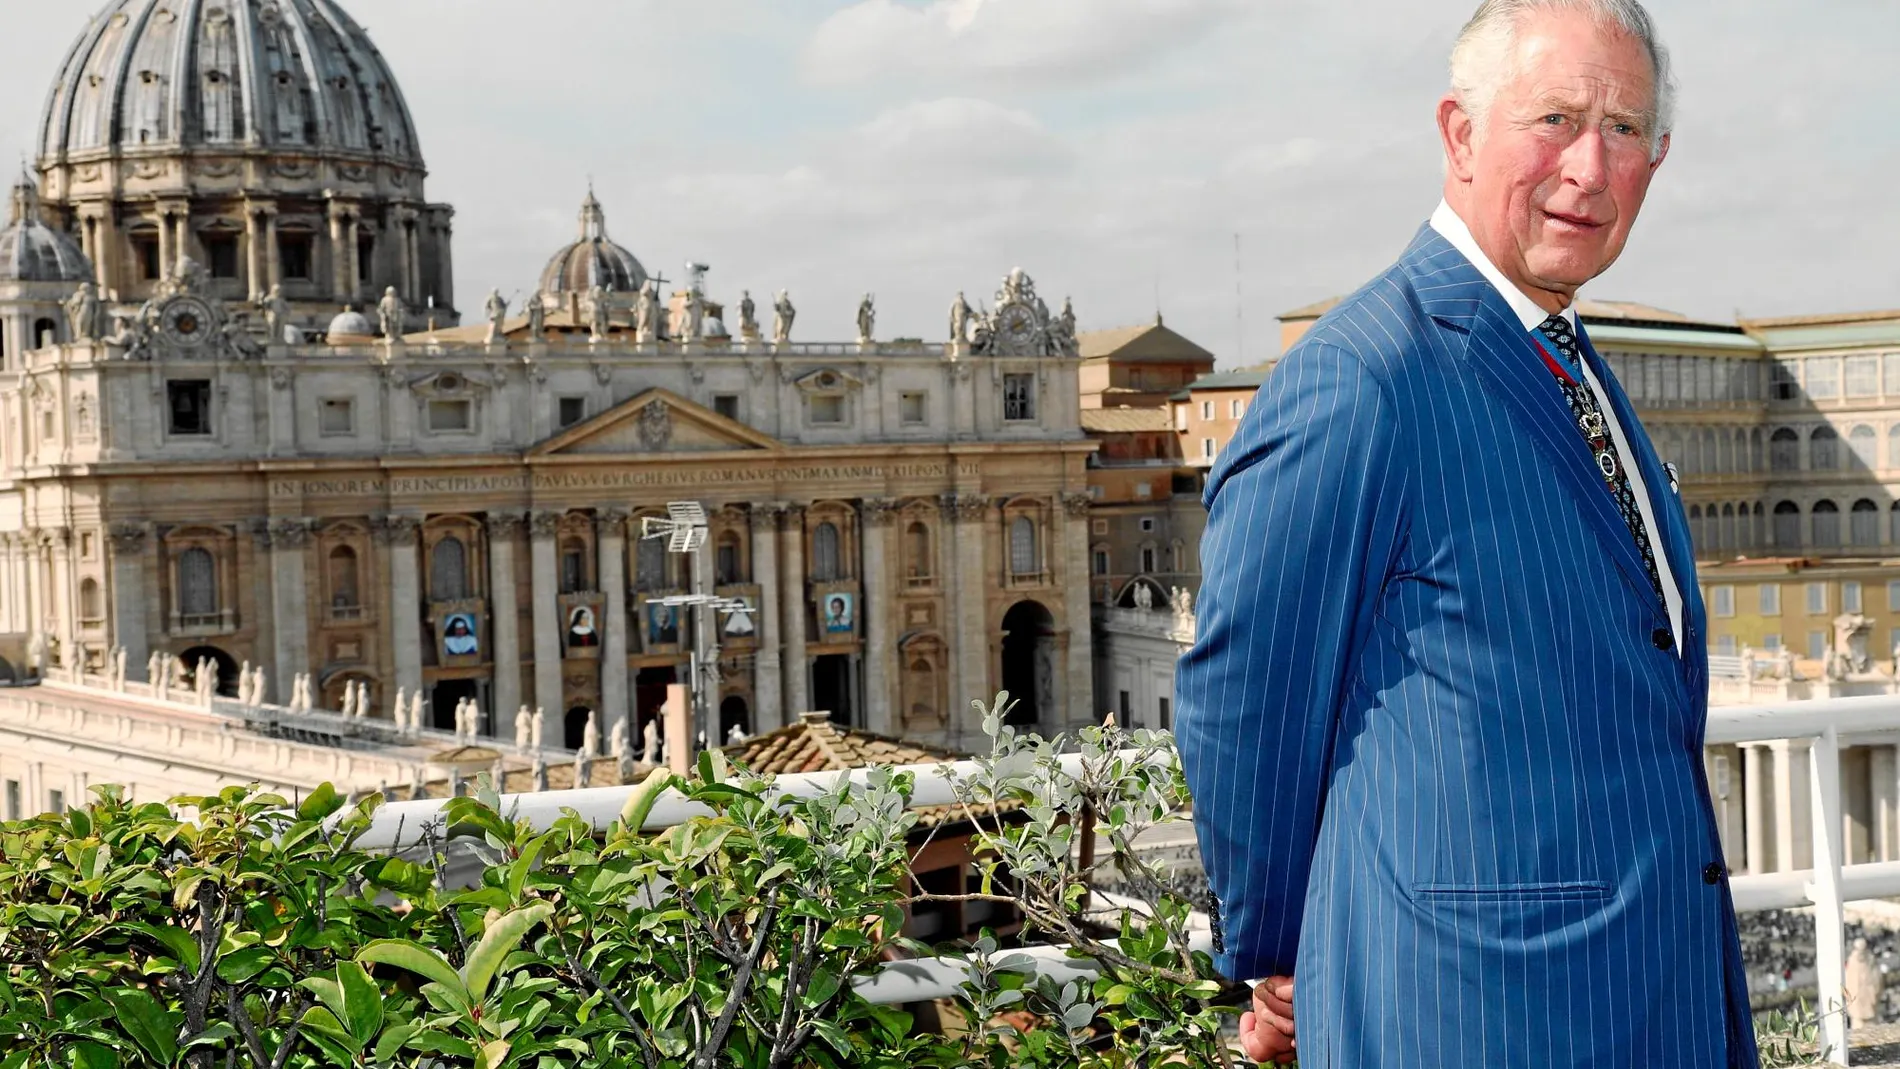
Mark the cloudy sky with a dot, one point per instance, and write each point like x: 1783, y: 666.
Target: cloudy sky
x: 1113, y: 148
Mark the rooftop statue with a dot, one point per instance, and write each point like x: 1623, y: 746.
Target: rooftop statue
x: 783, y: 317
x: 393, y: 314
x: 496, y: 308
x: 867, y: 319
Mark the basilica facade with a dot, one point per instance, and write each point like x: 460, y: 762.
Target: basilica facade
x: 242, y: 425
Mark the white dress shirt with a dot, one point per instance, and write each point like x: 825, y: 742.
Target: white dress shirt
x: 1453, y: 229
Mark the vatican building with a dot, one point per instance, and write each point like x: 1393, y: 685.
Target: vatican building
x: 249, y: 421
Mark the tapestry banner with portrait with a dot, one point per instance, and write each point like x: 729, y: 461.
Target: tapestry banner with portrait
x: 581, y: 636
x: 461, y: 638
x: 740, y: 630
x: 835, y: 607
x: 661, y: 626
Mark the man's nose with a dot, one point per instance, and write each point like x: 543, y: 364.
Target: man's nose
x: 1584, y: 162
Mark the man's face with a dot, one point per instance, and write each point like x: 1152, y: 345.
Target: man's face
x: 1552, y: 183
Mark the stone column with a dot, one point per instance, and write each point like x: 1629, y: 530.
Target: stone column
x: 399, y: 225
x: 398, y: 534
x: 1881, y: 782
x: 339, y: 253
x: 878, y: 613
x: 182, y: 243
x: 290, y: 606
x: 1754, y: 790
x: 353, y: 239
x: 547, y: 614
x: 65, y: 608
x: 503, y: 530
x: 253, y: 253
x: 1069, y: 546
x: 792, y: 612
x: 129, y: 596
x: 1794, y: 820
x: 273, y: 259
x: 971, y: 681
x: 445, y: 296
x: 167, y: 254
x: 611, y: 534
x: 767, y: 690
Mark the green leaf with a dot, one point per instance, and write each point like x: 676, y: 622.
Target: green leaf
x: 87, y: 1055
x: 394, y: 1038
x: 322, y: 802
x: 321, y: 1027
x: 241, y: 965
x: 640, y: 802
x: 81, y: 822
x: 182, y: 944
x: 834, y: 1034
x: 492, y: 1055
x: 418, y: 959
x: 218, y: 1032
x: 154, y: 1030
x: 362, y: 1001
x: 485, y: 957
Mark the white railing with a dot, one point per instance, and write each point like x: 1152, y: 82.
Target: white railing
x: 1829, y: 884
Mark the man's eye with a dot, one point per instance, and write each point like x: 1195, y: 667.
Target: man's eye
x: 1553, y: 119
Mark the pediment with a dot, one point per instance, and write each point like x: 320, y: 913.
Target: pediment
x: 657, y: 421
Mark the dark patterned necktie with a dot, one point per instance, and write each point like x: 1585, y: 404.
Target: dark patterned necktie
x: 1596, y: 433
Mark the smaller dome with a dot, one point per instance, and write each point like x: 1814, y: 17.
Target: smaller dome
x: 593, y: 260
x: 351, y: 323
x: 31, y: 251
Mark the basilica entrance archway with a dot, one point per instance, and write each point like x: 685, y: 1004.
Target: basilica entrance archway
x: 1029, y: 662
x: 446, y: 695
x: 227, y: 668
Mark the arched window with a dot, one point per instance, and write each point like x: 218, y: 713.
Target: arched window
x: 1728, y: 539
x: 1691, y: 455
x: 726, y: 560
x: 1787, y: 525
x: 197, y: 584
x: 1759, y: 538
x: 1893, y: 523
x: 91, y: 605
x: 1864, y: 523
x: 649, y: 565
x: 1824, y: 449
x: 1698, y: 539
x: 917, y: 563
x: 448, y: 570
x: 573, y: 566
x: 1866, y: 447
x: 1826, y: 520
x: 1726, y: 463
x: 343, y: 588
x: 824, y: 552
x: 1023, y: 559
x: 1784, y: 451
x: 1710, y: 465
x: 1755, y: 461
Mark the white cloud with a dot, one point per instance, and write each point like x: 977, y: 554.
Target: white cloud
x: 1021, y: 41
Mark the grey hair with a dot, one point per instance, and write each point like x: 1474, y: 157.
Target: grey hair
x: 1486, y: 43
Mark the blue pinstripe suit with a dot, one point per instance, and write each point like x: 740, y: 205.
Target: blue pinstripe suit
x: 1445, y: 770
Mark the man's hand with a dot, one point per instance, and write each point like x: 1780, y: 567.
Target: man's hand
x: 1266, y: 1032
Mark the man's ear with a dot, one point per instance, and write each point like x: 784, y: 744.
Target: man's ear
x: 1662, y: 153
x: 1456, y: 132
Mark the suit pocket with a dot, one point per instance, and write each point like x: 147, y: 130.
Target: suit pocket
x: 1563, y: 891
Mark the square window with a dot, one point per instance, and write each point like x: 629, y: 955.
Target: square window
x: 1823, y: 377
x: 1019, y: 397
x: 1893, y: 595
x: 1770, y: 599
x: 910, y: 407
x: 827, y: 410
x: 569, y: 411
x: 1147, y: 524
x: 1863, y: 376
x: 1817, y: 645
x: 293, y: 256
x: 451, y: 416
x: 189, y: 404
x: 1144, y: 491
x: 221, y: 250
x: 1850, y: 596
x: 727, y: 405
x: 1100, y: 527
x: 1817, y: 598
x: 88, y: 546
x: 336, y: 417
x: 1722, y: 600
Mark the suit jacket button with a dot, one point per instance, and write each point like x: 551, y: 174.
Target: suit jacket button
x: 1712, y: 873
x: 1663, y: 639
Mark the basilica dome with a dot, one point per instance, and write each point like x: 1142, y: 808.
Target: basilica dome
x: 281, y: 74
x: 31, y: 251
x: 593, y: 260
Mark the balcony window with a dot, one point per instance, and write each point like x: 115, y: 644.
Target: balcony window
x: 573, y: 566
x: 1817, y: 599
x: 190, y: 406
x: 1024, y: 560
x: 1770, y: 598
x: 825, y: 558
x: 1019, y: 397
x: 221, y: 252
x: 197, y: 588
x: 345, y: 599
x: 1850, y: 596
x: 293, y: 256
x: 336, y: 418
x: 448, y: 570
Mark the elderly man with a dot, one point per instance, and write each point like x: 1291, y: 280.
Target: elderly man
x: 1444, y: 719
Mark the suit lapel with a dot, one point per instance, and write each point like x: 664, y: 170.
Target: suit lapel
x: 1496, y: 344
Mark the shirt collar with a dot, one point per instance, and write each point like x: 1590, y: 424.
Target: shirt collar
x: 1453, y: 229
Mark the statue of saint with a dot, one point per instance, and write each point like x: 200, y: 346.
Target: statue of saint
x: 276, y: 315
x: 783, y: 315
x: 646, y: 313
x: 748, y: 316
x: 590, y: 735
x: 1863, y: 982
x: 82, y: 313
x: 693, y: 316
x: 1066, y: 344
x: 867, y: 319
x: 497, y: 309
x: 960, y: 314
x: 537, y: 318
x: 597, y: 314
x: 393, y: 314
x: 650, y: 743
x: 524, y: 728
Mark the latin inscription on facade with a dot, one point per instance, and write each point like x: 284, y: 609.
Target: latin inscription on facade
x: 426, y: 485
